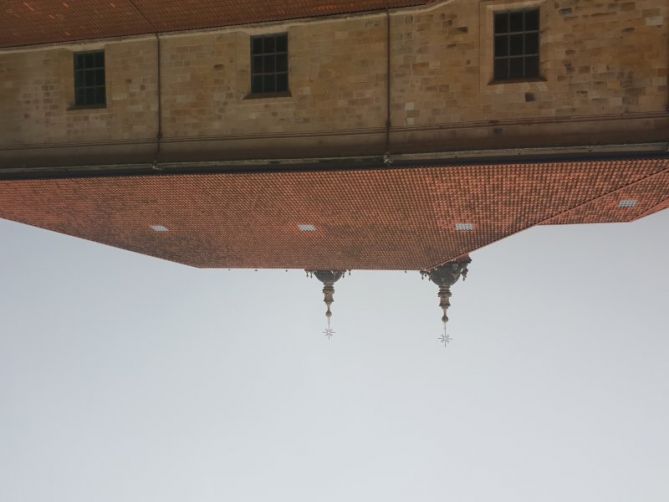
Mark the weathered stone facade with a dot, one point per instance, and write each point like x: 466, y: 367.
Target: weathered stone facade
x: 38, y: 94
x: 604, y: 73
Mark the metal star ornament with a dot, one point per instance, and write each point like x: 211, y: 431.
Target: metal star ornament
x: 445, y: 339
x: 329, y: 333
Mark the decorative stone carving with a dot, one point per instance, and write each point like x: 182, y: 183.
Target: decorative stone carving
x: 328, y: 278
x: 445, y: 276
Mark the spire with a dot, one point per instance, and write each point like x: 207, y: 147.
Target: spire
x: 328, y: 278
x: 444, y: 301
x: 445, y: 276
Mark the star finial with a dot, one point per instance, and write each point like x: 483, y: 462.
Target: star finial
x: 445, y: 276
x: 328, y: 278
x: 329, y: 333
x: 445, y: 339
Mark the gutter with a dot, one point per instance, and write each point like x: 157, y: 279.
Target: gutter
x: 489, y: 158
x: 159, y: 98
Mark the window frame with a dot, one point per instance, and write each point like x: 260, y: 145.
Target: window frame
x: 524, y: 55
x: 83, y: 87
x: 254, y: 93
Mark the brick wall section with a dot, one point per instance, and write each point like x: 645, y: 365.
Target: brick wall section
x: 598, y: 59
x: 381, y: 219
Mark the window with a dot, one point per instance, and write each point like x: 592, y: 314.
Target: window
x: 269, y: 64
x: 89, y: 79
x: 517, y: 45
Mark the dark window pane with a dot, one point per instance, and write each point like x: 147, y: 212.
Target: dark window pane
x: 256, y: 85
x: 502, y: 23
x: 269, y: 45
x: 282, y: 82
x: 100, y: 98
x: 501, y: 46
x: 501, y: 69
x: 532, y: 66
x: 269, y: 83
x: 516, y: 45
x: 282, y: 43
x: 90, y: 96
x: 516, y: 21
x: 269, y: 68
x: 532, y: 43
x: 520, y: 51
x: 516, y: 68
x: 532, y: 20
x: 270, y: 63
x: 89, y: 79
x: 282, y: 62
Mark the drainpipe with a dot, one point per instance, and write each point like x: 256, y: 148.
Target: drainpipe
x: 386, y: 158
x: 159, y: 134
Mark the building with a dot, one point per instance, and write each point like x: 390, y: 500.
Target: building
x: 331, y: 135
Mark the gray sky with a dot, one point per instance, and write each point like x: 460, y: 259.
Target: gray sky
x: 126, y: 378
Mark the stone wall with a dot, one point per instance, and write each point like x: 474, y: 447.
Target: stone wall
x: 37, y: 96
x: 597, y: 58
x: 337, y: 82
x: 603, y: 79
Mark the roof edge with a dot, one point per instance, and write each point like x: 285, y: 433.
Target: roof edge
x: 493, y: 157
x: 417, y: 5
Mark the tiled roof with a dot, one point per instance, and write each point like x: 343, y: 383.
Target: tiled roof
x: 651, y: 194
x: 47, y: 21
x: 656, y: 209
x: 402, y: 219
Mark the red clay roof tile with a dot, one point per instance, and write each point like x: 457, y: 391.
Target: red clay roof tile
x: 401, y: 219
x: 49, y: 21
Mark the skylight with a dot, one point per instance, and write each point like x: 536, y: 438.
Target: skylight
x: 628, y: 203
x: 306, y: 227
x: 464, y: 227
x: 159, y: 228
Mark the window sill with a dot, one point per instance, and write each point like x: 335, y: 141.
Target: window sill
x: 268, y: 95
x: 86, y: 107
x: 517, y: 81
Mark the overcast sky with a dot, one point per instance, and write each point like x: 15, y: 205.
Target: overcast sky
x: 126, y: 378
